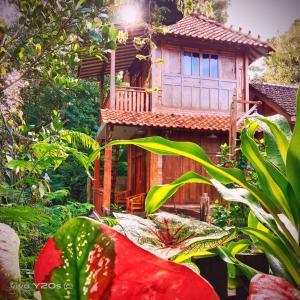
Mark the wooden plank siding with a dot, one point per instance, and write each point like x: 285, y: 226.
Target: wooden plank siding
x: 181, y: 93
x: 192, y: 192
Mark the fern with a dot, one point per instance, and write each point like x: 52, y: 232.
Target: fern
x: 21, y: 214
x: 76, y: 139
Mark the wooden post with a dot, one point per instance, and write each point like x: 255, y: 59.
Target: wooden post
x: 233, y: 124
x: 107, y: 174
x: 115, y: 168
x: 112, y: 79
x: 246, y: 63
x: 101, y: 100
x: 129, y: 168
x: 97, y: 180
x: 96, y: 187
x: 153, y: 169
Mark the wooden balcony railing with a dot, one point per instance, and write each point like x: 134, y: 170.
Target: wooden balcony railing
x: 132, y: 99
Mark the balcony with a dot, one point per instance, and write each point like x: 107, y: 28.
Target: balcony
x: 134, y: 99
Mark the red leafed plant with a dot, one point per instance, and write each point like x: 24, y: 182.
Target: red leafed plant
x: 88, y: 260
x: 265, y: 287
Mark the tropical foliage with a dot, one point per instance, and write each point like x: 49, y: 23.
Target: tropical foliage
x: 274, y: 200
x: 283, y: 64
x: 92, y: 261
x: 43, y: 39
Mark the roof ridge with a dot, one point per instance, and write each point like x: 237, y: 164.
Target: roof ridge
x: 275, y: 84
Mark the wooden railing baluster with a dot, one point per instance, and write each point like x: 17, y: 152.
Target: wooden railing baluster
x: 132, y: 99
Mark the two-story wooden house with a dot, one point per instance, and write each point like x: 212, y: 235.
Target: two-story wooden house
x: 196, y: 68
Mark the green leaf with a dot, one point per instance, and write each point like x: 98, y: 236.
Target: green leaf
x: 38, y: 49
x: 76, y: 139
x: 273, y: 245
x: 293, y: 160
x: 238, y: 247
x: 159, y: 145
x: 273, y: 183
x: 225, y: 254
x: 105, y: 32
x: 159, y: 194
x: 22, y: 214
x: 281, y: 137
x: 79, y: 240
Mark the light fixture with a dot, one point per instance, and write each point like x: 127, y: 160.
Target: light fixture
x: 129, y: 14
x: 140, y: 131
x: 212, y: 136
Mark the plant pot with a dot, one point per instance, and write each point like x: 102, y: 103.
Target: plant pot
x: 257, y: 261
x: 214, y: 270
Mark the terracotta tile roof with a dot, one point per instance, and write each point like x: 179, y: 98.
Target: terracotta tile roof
x: 198, y: 26
x: 200, y: 122
x: 283, y: 95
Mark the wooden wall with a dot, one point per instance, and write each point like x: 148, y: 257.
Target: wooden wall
x: 181, y: 92
x: 147, y: 169
x: 175, y: 166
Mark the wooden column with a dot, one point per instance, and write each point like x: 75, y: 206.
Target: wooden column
x: 96, y: 187
x: 246, y: 74
x: 107, y: 173
x: 233, y: 124
x: 97, y: 197
x: 129, y: 168
x: 101, y: 100
x: 112, y: 79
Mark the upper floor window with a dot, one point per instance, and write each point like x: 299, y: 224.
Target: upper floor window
x: 191, y: 64
x: 210, y: 66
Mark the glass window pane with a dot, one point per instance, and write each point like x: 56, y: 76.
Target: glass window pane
x: 187, y: 63
x: 214, y: 69
x: 196, y: 64
x: 205, y: 65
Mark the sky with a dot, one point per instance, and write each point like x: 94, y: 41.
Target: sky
x: 266, y: 18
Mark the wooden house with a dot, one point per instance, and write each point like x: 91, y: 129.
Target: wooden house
x: 195, y: 71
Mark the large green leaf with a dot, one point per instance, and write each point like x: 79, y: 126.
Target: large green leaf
x: 281, y: 137
x: 167, y: 235
x: 76, y: 246
x: 159, y: 194
x: 293, y: 160
x: 243, y: 196
x: 275, y: 224
x: 273, y: 245
x: 227, y: 256
x: 159, y: 145
x: 273, y: 183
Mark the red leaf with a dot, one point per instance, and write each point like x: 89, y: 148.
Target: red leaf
x: 48, y: 260
x: 267, y: 287
x: 142, y: 275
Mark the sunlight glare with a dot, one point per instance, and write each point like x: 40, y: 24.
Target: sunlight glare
x: 130, y: 14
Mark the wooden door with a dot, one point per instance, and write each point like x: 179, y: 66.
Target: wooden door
x: 139, y: 171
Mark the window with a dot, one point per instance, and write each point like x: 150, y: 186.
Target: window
x: 187, y: 63
x: 196, y: 65
x: 210, y: 66
x: 191, y: 64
